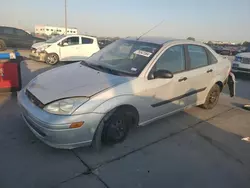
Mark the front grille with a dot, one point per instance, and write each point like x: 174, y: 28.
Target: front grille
x: 33, y: 99
x: 245, y: 60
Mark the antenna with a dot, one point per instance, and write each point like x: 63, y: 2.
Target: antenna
x: 150, y: 29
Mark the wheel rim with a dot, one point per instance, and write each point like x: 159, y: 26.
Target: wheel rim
x: 51, y: 59
x: 116, y: 131
x: 213, y: 97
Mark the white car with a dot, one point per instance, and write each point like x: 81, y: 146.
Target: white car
x: 64, y: 48
x: 241, y: 63
x: 131, y: 82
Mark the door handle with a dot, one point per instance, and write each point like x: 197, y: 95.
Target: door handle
x: 182, y: 79
x: 210, y: 70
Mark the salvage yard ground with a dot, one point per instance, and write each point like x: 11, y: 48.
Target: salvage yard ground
x: 194, y: 148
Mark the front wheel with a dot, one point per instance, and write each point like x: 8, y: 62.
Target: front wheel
x: 115, y: 129
x: 52, y: 59
x: 212, y: 97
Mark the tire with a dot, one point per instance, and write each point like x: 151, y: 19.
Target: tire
x: 212, y: 97
x: 52, y: 59
x: 117, y: 126
x: 2, y: 45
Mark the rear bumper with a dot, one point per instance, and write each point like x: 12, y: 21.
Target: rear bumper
x: 38, y: 56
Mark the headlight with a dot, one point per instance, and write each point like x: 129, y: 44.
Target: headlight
x: 238, y: 59
x: 42, y: 48
x: 65, y: 106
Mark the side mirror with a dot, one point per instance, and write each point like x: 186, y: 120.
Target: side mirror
x: 163, y: 74
x: 65, y: 44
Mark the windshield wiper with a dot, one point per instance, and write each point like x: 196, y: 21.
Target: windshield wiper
x: 89, y: 65
x: 113, y: 71
x: 105, y: 69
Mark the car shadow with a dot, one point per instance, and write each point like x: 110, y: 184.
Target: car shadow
x: 190, y: 139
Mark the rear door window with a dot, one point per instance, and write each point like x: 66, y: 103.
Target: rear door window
x: 21, y: 33
x: 198, y: 56
x: 87, y: 40
x: 9, y: 31
x: 211, y: 57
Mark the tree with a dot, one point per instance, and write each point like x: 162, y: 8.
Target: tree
x: 191, y: 38
x: 246, y: 43
x: 210, y: 42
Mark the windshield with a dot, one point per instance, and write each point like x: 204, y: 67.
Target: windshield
x: 125, y: 56
x: 55, y: 39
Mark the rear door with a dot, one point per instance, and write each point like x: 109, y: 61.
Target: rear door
x: 87, y: 47
x: 23, y: 39
x: 201, y: 71
x: 69, y: 48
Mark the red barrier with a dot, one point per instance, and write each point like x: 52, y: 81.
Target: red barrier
x: 10, y: 75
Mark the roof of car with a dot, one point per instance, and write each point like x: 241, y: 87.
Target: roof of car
x: 151, y: 39
x: 160, y: 40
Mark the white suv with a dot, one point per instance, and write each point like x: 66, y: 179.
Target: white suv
x: 64, y: 48
x: 241, y: 63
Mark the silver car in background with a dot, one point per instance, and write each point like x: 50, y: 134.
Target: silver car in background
x: 129, y: 83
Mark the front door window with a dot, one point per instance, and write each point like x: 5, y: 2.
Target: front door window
x: 71, y: 41
x: 173, y: 60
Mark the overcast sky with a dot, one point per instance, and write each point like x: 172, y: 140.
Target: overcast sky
x: 202, y: 19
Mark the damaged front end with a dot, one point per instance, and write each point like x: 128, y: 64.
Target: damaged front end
x: 38, y: 55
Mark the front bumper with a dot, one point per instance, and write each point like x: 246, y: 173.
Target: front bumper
x: 54, y: 129
x: 38, y: 56
x: 238, y: 67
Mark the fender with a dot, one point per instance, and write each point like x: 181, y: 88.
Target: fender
x: 112, y: 103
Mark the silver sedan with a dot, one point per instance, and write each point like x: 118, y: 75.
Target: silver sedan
x: 129, y: 83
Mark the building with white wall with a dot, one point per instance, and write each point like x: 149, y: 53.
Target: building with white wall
x: 48, y: 30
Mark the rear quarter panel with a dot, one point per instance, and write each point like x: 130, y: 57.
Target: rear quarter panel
x: 222, y: 69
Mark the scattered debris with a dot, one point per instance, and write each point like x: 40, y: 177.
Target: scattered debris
x: 247, y: 139
x: 246, y: 106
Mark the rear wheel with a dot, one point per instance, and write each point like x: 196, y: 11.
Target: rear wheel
x: 52, y: 59
x: 212, y: 97
x: 2, y: 45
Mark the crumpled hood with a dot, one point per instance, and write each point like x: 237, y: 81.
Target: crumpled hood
x: 40, y: 45
x: 245, y: 54
x: 72, y: 80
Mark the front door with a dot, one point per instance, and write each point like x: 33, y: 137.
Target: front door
x: 69, y: 48
x: 168, y: 95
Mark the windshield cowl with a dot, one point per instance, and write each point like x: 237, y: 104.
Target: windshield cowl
x: 105, y: 69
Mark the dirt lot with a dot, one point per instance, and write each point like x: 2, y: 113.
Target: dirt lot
x: 194, y: 148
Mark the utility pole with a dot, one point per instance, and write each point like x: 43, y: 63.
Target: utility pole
x: 65, y: 14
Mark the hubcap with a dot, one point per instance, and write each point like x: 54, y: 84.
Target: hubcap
x: 51, y: 59
x: 117, y: 131
x: 213, y: 97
